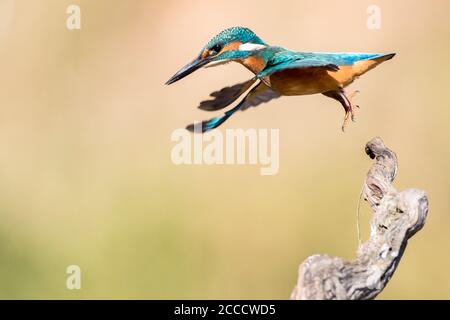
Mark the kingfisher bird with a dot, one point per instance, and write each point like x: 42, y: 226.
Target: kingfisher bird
x: 277, y: 72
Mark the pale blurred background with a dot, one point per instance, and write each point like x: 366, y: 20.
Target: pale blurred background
x: 85, y: 171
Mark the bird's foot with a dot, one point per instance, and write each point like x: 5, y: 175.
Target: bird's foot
x: 353, y: 94
x: 348, y: 115
x: 353, y: 106
x: 349, y: 108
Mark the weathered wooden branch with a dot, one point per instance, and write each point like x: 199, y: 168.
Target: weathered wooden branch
x: 397, y: 217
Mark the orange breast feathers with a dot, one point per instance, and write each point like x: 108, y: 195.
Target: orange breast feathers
x: 293, y: 82
x: 318, y: 80
x: 254, y: 64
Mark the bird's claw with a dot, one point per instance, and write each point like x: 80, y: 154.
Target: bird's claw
x: 350, y: 110
x: 353, y: 94
x: 347, y: 117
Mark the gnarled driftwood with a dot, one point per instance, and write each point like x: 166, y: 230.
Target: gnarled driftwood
x: 397, y: 217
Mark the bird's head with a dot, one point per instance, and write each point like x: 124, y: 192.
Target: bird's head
x: 231, y: 44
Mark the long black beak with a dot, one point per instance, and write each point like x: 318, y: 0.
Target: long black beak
x: 196, y: 64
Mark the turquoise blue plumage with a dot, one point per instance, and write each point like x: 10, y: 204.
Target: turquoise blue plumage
x: 277, y: 72
x: 285, y: 59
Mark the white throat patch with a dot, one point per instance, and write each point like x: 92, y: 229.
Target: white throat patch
x: 251, y: 47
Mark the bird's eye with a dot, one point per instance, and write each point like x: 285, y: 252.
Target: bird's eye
x: 215, y: 49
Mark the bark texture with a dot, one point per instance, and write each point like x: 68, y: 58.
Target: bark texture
x: 397, y: 217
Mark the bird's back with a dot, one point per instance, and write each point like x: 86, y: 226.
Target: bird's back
x: 314, y: 74
x: 337, y: 58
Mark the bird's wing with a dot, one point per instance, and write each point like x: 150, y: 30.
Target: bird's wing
x: 225, y: 96
x: 298, y: 60
x: 295, y: 60
x: 345, y: 58
x: 298, y: 64
x: 261, y: 94
x: 258, y: 94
